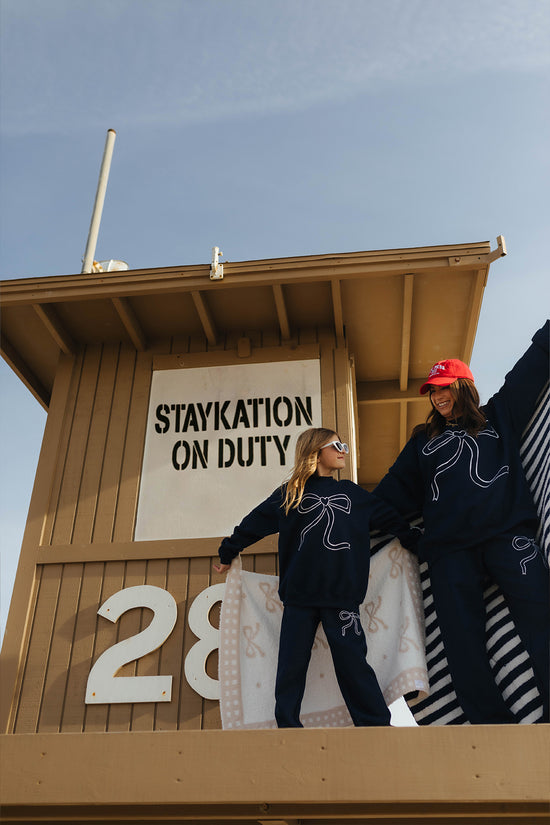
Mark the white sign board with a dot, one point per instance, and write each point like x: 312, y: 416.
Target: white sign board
x: 219, y: 440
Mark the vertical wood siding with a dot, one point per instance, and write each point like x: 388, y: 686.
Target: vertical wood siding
x: 93, y: 493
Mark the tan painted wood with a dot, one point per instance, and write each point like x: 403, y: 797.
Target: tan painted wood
x: 25, y: 588
x: 129, y: 624
x: 403, y: 424
x: 344, y: 412
x: 174, y: 279
x: 379, y: 433
x: 282, y: 312
x: 266, y: 564
x: 133, y: 451
x: 82, y: 652
x: 380, y: 392
x: 75, y: 459
x: 24, y: 371
x: 355, y: 412
x: 226, y: 357
x: 192, y: 705
x: 61, y: 448
x: 49, y: 318
x: 78, y: 548
x: 106, y: 441
x: 106, y: 634
x: 144, y: 714
x: 168, y: 714
x: 94, y: 454
x: 472, y: 315
x: 486, y: 773
x: 328, y: 400
x: 38, y: 652
x: 408, y: 286
x: 205, y: 316
x: 61, y: 647
x: 118, y: 425
x: 162, y: 549
x: 131, y: 323
x: 337, y: 308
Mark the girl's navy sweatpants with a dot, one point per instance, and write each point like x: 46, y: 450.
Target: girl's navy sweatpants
x: 348, y: 647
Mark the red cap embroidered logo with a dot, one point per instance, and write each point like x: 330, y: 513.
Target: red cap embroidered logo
x: 446, y: 372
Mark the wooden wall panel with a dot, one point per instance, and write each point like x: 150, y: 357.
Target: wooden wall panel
x: 266, y: 564
x: 82, y: 654
x: 38, y: 650
x: 76, y: 455
x: 129, y: 624
x: 133, y: 450
x: 193, y: 705
x: 168, y: 714
x: 61, y: 449
x: 107, y: 494
x: 93, y: 492
x: 86, y: 504
x: 143, y: 715
x: 96, y: 717
x: 61, y: 649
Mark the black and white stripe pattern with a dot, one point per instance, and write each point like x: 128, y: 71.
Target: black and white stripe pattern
x: 513, y: 672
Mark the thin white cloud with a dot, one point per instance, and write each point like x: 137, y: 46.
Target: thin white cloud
x: 69, y: 65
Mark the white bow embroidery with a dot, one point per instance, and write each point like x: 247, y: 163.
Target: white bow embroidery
x: 326, y: 505
x: 464, y: 440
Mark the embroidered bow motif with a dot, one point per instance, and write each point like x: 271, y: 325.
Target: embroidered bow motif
x: 272, y: 602
x: 250, y: 634
x: 351, y: 619
x: 371, y: 610
x: 405, y: 641
x: 464, y: 440
x: 396, y: 555
x: 522, y: 543
x: 324, y: 505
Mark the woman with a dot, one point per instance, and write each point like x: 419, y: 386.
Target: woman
x: 462, y: 472
x: 324, y: 557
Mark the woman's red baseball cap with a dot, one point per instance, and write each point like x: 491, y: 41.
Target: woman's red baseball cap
x: 445, y: 372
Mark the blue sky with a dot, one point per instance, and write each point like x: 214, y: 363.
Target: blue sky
x: 271, y: 128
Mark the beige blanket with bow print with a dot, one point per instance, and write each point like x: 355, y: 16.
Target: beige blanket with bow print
x: 391, y: 615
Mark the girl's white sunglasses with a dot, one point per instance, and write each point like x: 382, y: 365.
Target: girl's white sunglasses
x: 340, y: 446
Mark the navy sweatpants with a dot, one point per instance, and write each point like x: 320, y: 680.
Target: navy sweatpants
x: 518, y: 567
x: 348, y: 647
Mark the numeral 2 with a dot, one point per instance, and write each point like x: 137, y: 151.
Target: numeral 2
x: 103, y: 686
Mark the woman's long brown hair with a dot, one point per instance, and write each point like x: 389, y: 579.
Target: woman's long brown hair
x: 466, y: 408
x: 308, y: 445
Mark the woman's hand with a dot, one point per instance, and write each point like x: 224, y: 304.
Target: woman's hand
x: 221, y: 568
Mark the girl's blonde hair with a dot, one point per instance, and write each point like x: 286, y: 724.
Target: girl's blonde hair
x: 466, y: 407
x: 308, y: 446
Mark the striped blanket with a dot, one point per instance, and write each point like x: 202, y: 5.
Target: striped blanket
x: 513, y: 672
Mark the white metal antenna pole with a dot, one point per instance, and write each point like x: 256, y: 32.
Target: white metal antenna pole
x: 99, y: 199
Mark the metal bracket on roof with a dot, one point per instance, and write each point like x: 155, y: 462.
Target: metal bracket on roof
x: 481, y: 260
x: 216, y: 268
x: 499, y: 252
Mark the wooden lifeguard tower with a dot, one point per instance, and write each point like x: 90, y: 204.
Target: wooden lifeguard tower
x: 136, y: 478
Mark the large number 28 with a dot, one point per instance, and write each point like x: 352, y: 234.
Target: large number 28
x: 103, y: 684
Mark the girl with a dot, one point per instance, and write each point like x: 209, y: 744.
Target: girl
x: 324, y: 558
x: 462, y: 472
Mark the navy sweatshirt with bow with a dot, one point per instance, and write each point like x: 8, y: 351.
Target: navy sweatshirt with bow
x: 324, y: 543
x: 467, y: 488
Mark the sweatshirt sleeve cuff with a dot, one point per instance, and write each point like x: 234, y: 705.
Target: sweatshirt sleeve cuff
x: 410, y: 539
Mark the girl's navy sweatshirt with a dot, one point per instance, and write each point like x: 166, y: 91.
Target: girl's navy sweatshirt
x: 467, y: 488
x: 324, y: 544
